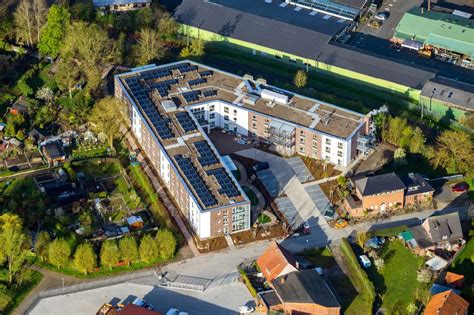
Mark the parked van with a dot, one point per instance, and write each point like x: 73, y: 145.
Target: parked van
x: 260, y: 166
x: 365, y: 261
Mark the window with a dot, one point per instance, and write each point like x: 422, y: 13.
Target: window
x: 328, y: 141
x: 302, y: 140
x: 302, y: 133
x: 327, y: 150
x: 212, y: 115
x: 254, y: 125
x: 339, y: 145
x: 315, y: 137
x: 339, y: 153
x: 211, y: 108
x: 226, y: 117
x: 226, y: 126
x: 235, y: 112
x: 235, y: 118
x: 226, y: 110
x: 301, y: 148
x: 315, y: 145
x: 339, y: 162
x: 254, y: 117
x: 212, y: 124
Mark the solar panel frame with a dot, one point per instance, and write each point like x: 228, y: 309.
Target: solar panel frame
x: 228, y: 187
x: 186, y: 122
x: 206, y: 155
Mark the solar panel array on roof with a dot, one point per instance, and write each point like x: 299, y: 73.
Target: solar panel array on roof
x: 186, y: 69
x: 206, y: 156
x: 209, y: 93
x: 205, y: 73
x: 191, y: 96
x: 140, y: 94
x: 195, y: 82
x: 164, y: 86
x: 186, y: 122
x: 228, y: 187
x: 196, y: 181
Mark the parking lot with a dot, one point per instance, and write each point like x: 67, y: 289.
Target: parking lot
x: 224, y: 299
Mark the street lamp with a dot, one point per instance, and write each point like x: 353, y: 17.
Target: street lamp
x: 431, y: 98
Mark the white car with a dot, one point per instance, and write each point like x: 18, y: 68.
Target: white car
x: 382, y: 16
x: 172, y: 311
x: 245, y: 309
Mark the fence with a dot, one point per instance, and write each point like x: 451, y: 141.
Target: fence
x: 31, y: 302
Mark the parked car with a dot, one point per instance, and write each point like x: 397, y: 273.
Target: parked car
x: 460, y: 187
x: 306, y: 228
x: 260, y: 166
x: 382, y: 16
x: 142, y: 303
x: 172, y: 311
x: 340, y: 223
x: 246, y: 309
x: 365, y: 261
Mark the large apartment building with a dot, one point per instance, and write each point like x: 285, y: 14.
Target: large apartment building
x: 172, y: 108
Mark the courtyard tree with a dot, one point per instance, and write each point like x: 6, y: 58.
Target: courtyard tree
x: 59, y: 252
x: 197, y: 47
x: 417, y: 141
x: 129, y: 249
x: 67, y: 75
x: 394, y: 131
x: 167, y: 28
x: 54, y: 31
x: 85, y: 258
x: 41, y: 244
x: 149, y: 46
x: 106, y: 117
x: 45, y: 93
x: 166, y: 243
x: 109, y: 254
x: 14, y: 244
x: 40, y: 12
x: 89, y: 47
x: 399, y: 156
x: 301, y: 79
x: 454, y: 151
x: 379, y: 263
x: 148, y: 249
x: 362, y: 238
x: 424, y: 275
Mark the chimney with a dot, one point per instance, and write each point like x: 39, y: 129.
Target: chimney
x: 297, y: 265
x: 282, y: 280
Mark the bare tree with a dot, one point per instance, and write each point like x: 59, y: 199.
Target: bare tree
x: 40, y: 12
x: 24, y: 22
x: 149, y: 46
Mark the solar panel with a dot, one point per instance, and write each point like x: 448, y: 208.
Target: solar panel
x: 206, y: 156
x: 209, y: 93
x: 195, y: 82
x: 186, y: 122
x: 191, y: 96
x: 196, y: 181
x: 205, y: 74
x: 186, y: 69
x: 228, y: 187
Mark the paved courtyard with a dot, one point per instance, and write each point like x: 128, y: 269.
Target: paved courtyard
x: 225, y: 299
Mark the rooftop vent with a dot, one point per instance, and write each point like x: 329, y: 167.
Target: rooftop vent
x: 274, y: 96
x: 251, y: 99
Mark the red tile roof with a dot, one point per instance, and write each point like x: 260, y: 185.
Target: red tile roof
x: 452, y: 278
x: 446, y: 303
x: 276, y: 261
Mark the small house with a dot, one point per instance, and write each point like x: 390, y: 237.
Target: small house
x: 121, y: 5
x: 53, y: 152
x: 446, y: 303
x: 20, y: 107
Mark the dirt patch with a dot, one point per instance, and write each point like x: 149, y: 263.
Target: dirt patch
x: 331, y: 191
x: 319, y: 169
x: 382, y: 155
x: 258, y: 234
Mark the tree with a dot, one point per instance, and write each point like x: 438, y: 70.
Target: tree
x: 454, y: 152
x: 185, y: 52
x: 197, y: 47
x: 89, y: 47
x: 58, y: 252
x: 362, y: 238
x: 54, y: 31
x: 129, y: 249
x: 424, y: 275
x: 166, y: 243
x: 67, y: 75
x: 468, y: 120
x: 24, y: 22
x: 41, y: 244
x: 394, y: 131
x: 407, y: 134
x: 148, y: 249
x: 14, y: 244
x: 301, y: 79
x: 417, y: 143
x: 40, y: 11
x: 400, y: 156
x: 106, y: 117
x: 109, y: 254
x: 379, y: 263
x: 149, y: 46
x: 45, y: 93
x: 167, y: 28
x: 411, y: 308
x: 85, y: 258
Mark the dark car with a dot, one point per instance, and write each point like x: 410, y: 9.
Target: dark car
x: 460, y: 187
x: 260, y: 166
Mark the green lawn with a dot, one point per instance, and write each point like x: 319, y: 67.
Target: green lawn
x: 89, y: 153
x: 397, y: 281
x: 464, y: 265
x: 251, y: 195
x: 98, y: 168
x: 319, y: 257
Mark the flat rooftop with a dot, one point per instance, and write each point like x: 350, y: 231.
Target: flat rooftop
x: 455, y: 93
x: 163, y: 93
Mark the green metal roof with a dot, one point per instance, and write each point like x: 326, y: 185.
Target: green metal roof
x: 406, y: 235
x: 438, y: 29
